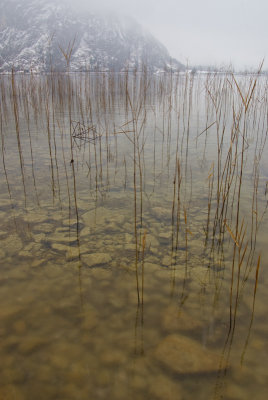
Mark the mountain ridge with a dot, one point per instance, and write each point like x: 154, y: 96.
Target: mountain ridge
x: 35, y: 34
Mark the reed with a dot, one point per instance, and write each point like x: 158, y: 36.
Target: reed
x: 138, y: 131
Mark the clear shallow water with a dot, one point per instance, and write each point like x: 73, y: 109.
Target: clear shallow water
x: 109, y: 287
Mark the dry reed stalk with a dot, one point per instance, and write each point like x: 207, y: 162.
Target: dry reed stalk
x: 253, y: 310
x: 3, y: 156
x: 65, y: 167
x: 67, y: 53
x: 50, y: 147
x: 16, y: 118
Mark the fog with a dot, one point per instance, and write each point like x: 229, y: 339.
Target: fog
x: 200, y: 32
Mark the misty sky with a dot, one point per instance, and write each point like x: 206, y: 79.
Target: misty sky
x: 216, y: 32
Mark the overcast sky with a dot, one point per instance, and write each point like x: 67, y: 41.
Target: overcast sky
x: 202, y: 31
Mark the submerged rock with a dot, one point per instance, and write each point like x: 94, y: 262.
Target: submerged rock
x: 24, y: 253
x: 183, y: 355
x: 62, y: 238
x: 161, y: 213
x: 162, y: 387
x: 31, y: 344
x: 97, y: 216
x: 10, y: 391
x: 36, y: 217
x: 130, y: 247
x: 12, y: 244
x: 113, y: 356
x: 70, y: 222
x: 174, y: 319
x: 39, y: 237
x: 2, y: 233
x: 97, y: 259
x: 19, y: 327
x: 167, y: 261
x: 44, y: 228
x: 89, y: 315
x: 165, y: 235
x: 151, y: 241
x: 73, y: 253
x: 37, y: 262
x: 85, y: 231
x: 119, y: 219
x: 60, y: 247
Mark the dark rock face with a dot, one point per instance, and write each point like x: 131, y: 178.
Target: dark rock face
x: 35, y: 34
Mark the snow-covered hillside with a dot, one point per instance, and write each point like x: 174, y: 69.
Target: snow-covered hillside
x: 34, y: 34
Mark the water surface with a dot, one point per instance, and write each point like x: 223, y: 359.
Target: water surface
x: 133, y: 237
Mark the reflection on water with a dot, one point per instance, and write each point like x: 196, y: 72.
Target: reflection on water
x: 133, y: 233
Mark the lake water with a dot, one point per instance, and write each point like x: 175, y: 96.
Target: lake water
x: 133, y: 237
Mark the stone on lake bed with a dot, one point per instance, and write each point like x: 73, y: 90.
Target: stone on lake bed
x: 31, y: 344
x: 161, y: 213
x: 174, y: 319
x: 165, y: 235
x: 167, y: 261
x: 97, y: 259
x: 73, y: 253
x: 129, y: 238
x: 39, y: 237
x: 90, y: 320
x: 37, y: 262
x: 69, y: 222
x: 119, y: 219
x: 10, y: 391
x: 85, y: 231
x: 12, y: 244
x: 101, y: 274
x: 19, y: 326
x: 62, y: 238
x: 183, y: 355
x: 2, y: 233
x: 44, y: 228
x: 97, y: 216
x: 152, y: 241
x: 25, y: 253
x: 130, y: 247
x: 113, y: 356
x: 162, y: 387
x: 10, y: 311
x: 60, y: 247
x: 32, y: 247
x: 36, y: 217
x: 70, y: 251
x: 151, y: 268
